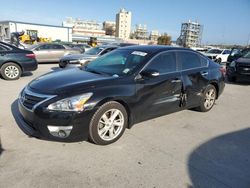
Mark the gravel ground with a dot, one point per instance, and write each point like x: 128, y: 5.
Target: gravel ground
x: 184, y: 149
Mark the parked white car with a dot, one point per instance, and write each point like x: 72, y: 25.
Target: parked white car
x: 222, y: 58
x: 218, y: 55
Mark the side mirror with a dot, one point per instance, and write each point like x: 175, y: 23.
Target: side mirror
x: 150, y: 73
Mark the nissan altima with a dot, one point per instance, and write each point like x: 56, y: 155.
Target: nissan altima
x: 116, y: 91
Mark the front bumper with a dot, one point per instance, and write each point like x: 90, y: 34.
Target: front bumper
x: 64, y: 63
x: 35, y: 123
x: 236, y: 72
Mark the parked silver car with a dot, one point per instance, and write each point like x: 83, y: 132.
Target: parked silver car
x: 88, y: 56
x: 50, y: 52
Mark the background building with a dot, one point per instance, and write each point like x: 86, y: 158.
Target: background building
x: 84, y: 27
x: 123, y: 24
x: 191, y: 33
x: 154, y: 34
x: 141, y: 32
x: 109, y: 27
x: 40, y: 30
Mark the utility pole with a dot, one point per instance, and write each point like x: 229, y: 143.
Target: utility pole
x: 248, y: 39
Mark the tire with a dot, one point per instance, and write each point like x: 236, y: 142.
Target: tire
x: 219, y: 60
x: 208, y: 99
x: 102, y: 130
x: 11, y: 71
x: 62, y: 66
x: 231, y: 78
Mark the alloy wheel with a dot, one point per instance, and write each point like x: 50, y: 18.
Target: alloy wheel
x: 110, y: 124
x: 11, y: 71
x: 209, y: 98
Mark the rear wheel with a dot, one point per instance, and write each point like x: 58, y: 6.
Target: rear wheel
x: 108, y: 123
x: 208, y: 99
x: 11, y: 71
x: 219, y: 60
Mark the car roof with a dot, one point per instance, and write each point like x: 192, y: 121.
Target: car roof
x: 107, y: 46
x: 9, y: 45
x: 154, y: 48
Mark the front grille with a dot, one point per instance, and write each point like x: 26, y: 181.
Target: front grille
x: 30, y: 99
x: 243, y: 68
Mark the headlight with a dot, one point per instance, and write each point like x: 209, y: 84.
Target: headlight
x: 232, y: 64
x: 75, y: 103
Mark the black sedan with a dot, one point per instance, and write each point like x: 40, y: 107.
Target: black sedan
x: 15, y: 61
x: 239, y: 68
x: 116, y: 91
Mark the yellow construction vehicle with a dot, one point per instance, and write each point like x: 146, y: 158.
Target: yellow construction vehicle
x: 27, y: 39
x: 92, y: 41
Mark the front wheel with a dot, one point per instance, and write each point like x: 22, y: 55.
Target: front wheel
x: 11, y: 71
x: 208, y: 99
x: 108, y: 123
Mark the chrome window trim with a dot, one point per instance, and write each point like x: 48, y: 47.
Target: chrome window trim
x: 177, y: 62
x: 48, y: 97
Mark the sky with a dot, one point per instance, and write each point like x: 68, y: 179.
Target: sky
x: 224, y: 21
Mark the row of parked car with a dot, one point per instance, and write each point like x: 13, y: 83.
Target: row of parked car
x: 237, y: 61
x: 15, y: 61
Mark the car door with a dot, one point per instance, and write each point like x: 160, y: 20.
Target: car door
x: 3, y: 53
x: 42, y: 53
x: 160, y: 94
x: 57, y: 51
x: 195, y: 76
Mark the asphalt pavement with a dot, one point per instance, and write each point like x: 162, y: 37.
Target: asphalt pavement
x: 184, y: 149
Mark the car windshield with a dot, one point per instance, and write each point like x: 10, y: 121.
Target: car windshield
x: 117, y: 63
x: 94, y: 51
x: 247, y: 55
x: 240, y: 52
x: 214, y: 51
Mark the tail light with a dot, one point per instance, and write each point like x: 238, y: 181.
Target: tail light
x: 32, y: 56
x: 223, y: 70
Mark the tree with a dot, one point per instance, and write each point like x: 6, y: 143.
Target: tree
x: 165, y: 39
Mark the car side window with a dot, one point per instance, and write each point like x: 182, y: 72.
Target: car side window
x: 204, y: 61
x: 189, y: 60
x: 57, y: 46
x: 226, y: 52
x: 43, y: 47
x: 164, y: 63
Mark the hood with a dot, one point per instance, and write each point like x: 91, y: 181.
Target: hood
x: 243, y: 60
x: 65, y: 81
x: 77, y: 57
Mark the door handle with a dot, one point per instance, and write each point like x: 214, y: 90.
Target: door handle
x: 176, y: 80
x: 204, y: 73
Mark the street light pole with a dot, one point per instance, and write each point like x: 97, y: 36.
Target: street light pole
x: 248, y: 39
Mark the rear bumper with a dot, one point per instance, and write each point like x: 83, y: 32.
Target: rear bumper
x: 29, y: 65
